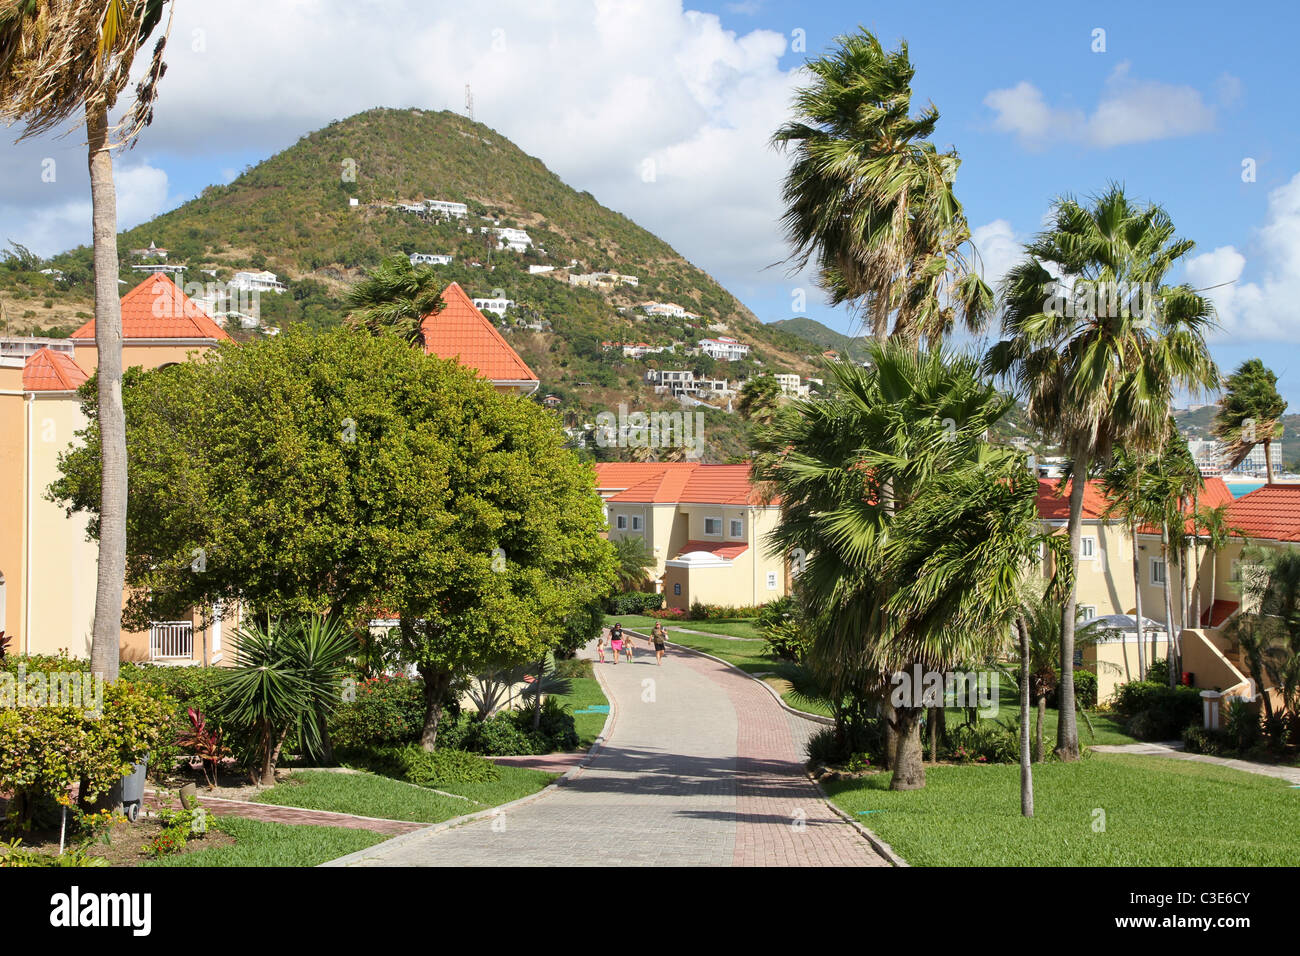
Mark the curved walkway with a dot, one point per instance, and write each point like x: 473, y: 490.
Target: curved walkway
x: 701, y: 767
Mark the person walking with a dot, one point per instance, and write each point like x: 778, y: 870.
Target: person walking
x: 627, y: 647
x: 660, y: 639
x: 600, y: 647
x: 616, y: 640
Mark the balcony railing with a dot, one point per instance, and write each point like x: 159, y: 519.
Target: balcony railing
x: 171, y: 640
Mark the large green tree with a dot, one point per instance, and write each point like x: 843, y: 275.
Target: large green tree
x: 1250, y: 413
x: 64, y: 62
x: 1095, y: 342
x: 354, y: 475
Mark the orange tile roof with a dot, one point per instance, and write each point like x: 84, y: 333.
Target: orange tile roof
x: 158, y: 309
x: 673, y: 482
x: 49, y: 371
x: 1271, y: 512
x: 726, y: 550
x: 460, y: 331
x: 1054, y: 504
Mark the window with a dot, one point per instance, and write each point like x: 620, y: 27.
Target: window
x: 1158, y: 571
x: 771, y: 580
x: 621, y: 522
x: 713, y: 526
x: 677, y: 589
x: 1088, y: 547
x: 1086, y: 612
x: 737, y: 527
x: 636, y: 522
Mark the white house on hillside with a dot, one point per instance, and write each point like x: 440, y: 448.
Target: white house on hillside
x: 429, y: 259
x: 256, y: 282
x: 496, y: 306
x: 724, y: 349
x: 516, y: 240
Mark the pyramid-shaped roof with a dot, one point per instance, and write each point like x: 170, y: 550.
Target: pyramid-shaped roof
x: 158, y: 309
x: 49, y: 371
x: 460, y: 331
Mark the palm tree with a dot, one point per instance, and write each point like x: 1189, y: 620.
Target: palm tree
x: 395, y: 298
x: 869, y: 201
x: 759, y: 399
x: 927, y: 575
x: 60, y: 61
x: 633, y: 560
x: 1213, y: 525
x: 1250, y: 414
x: 1168, y: 486
x: 1097, y: 353
x: 1122, y: 482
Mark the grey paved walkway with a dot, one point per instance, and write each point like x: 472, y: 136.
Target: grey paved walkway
x: 701, y: 767
x: 1290, y: 774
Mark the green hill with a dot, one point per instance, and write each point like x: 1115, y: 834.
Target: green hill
x: 292, y: 214
x: 810, y: 330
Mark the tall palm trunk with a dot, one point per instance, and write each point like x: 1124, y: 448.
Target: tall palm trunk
x: 106, y: 634
x: 909, y: 759
x: 1268, y: 459
x: 1214, y: 576
x: 1170, y: 652
x: 1067, y: 731
x: 1026, y: 770
x: 1137, y: 592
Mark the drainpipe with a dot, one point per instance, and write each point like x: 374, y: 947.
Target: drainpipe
x: 753, y: 553
x: 30, y: 398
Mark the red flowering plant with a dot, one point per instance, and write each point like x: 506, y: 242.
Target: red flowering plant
x: 205, y: 743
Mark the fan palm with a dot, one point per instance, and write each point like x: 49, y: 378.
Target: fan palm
x: 394, y: 299
x: 869, y: 201
x: 1096, y: 342
x: 67, y: 61
x: 633, y: 561
x: 546, y: 681
x: 928, y: 574
x: 1122, y: 482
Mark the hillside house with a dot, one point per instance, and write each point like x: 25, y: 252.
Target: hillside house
x: 724, y: 349
x: 429, y: 259
x: 497, y: 305
x: 516, y: 240
x: 256, y: 282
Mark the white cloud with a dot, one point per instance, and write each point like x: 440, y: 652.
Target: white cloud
x: 1269, y: 309
x: 1129, y: 111
x: 999, y: 249
x: 52, y: 227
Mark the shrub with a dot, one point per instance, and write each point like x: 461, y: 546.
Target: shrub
x: 668, y: 614
x: 704, y: 612
x: 1241, y: 724
x: 386, y: 710
x: 1158, y: 672
x: 985, y: 742
x: 190, y: 687
x: 1157, y: 711
x: 1198, y: 740
x: 557, y: 726
x: 853, y: 747
x: 44, y: 749
x: 634, y: 602
x: 498, y: 736
x: 1085, y: 688
x: 416, y: 765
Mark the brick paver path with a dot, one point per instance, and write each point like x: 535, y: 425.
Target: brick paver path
x: 701, y: 767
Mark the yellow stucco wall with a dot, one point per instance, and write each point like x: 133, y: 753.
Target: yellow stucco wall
x: 145, y: 356
x: 13, y: 496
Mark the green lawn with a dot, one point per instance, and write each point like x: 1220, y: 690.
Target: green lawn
x: 730, y: 626
x: 370, y: 795
x: 1158, y: 812
x: 275, y: 844
x: 584, y: 695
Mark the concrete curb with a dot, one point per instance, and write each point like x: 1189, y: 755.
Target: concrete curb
x: 413, y: 836
x: 877, y: 844
x: 815, y: 718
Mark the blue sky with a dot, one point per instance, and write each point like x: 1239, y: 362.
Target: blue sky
x: 1180, y: 97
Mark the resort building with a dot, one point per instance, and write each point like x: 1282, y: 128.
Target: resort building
x: 441, y: 207
x: 497, y: 305
x: 460, y: 331
x: 706, y: 526
x: 516, y: 240
x: 48, y: 568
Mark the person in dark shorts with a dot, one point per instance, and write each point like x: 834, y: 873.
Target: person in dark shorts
x: 660, y: 639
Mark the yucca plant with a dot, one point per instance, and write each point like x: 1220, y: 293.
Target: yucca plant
x: 286, y: 677
x: 544, y: 683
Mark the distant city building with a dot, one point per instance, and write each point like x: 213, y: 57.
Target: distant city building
x: 1211, y: 459
x: 724, y: 349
